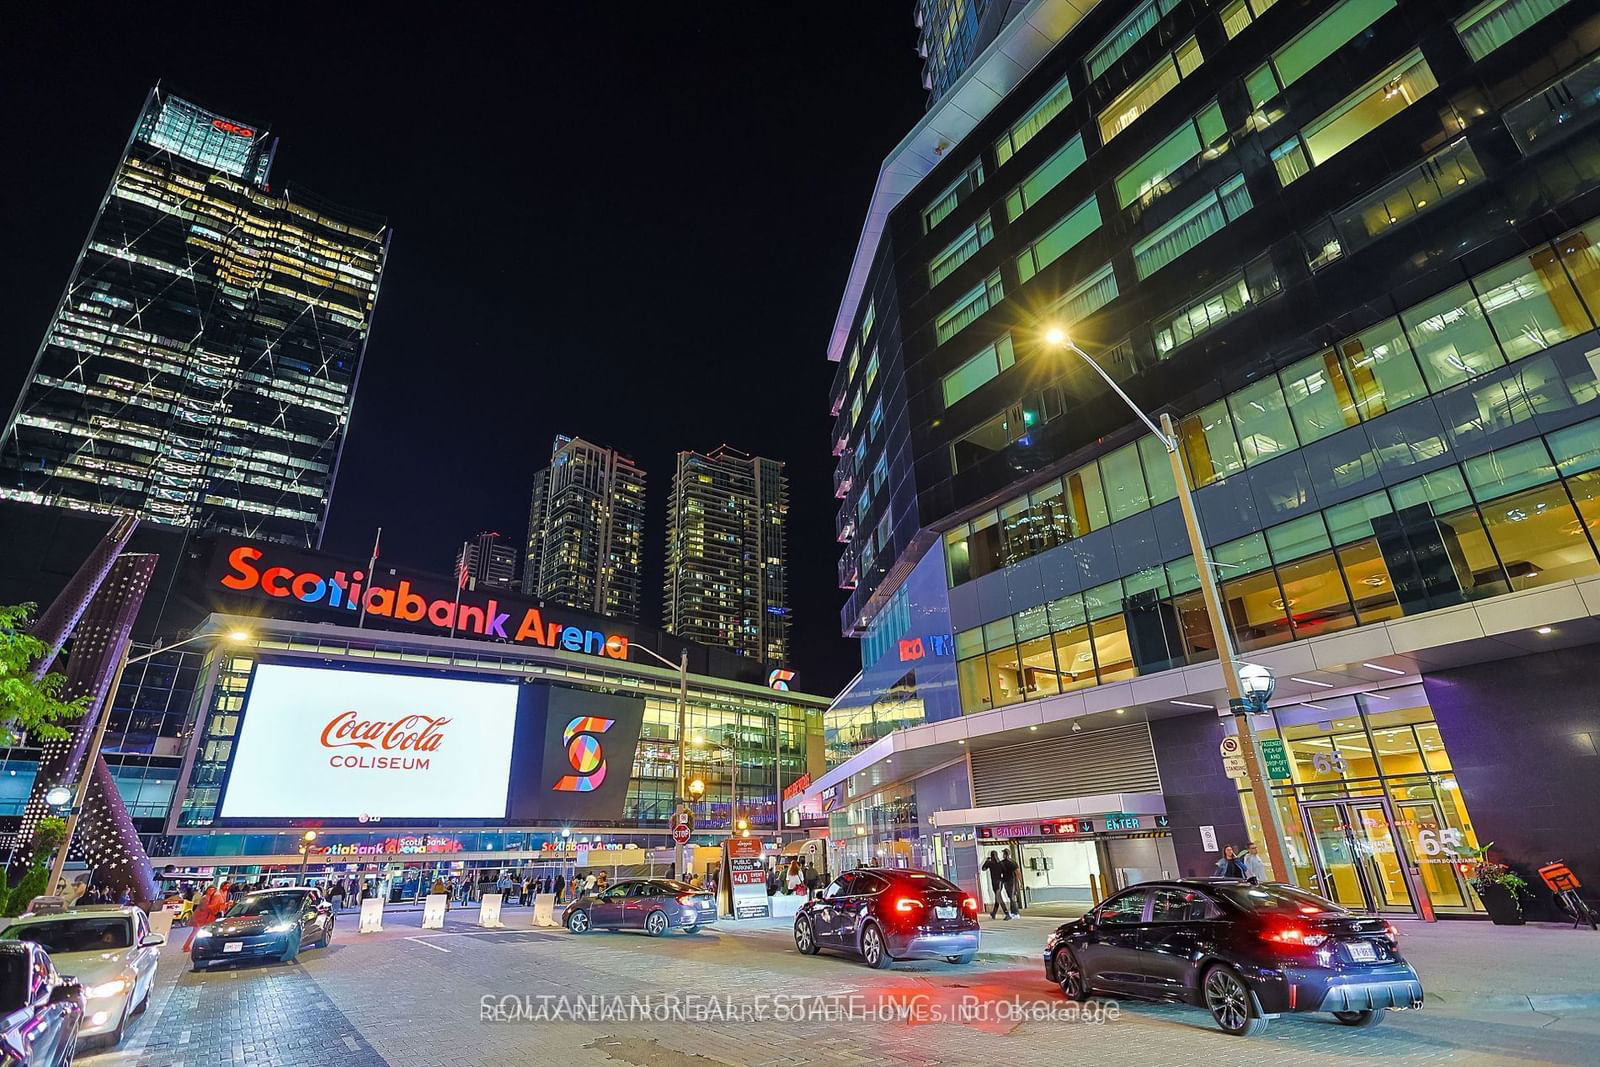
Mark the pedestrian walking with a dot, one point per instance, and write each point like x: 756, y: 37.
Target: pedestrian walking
x: 996, y: 884
x: 561, y: 885
x: 336, y: 896
x: 1254, y: 870
x: 1009, y: 877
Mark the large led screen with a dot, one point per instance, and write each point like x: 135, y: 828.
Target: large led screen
x: 331, y: 744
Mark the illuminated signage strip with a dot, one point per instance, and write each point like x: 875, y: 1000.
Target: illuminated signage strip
x: 344, y: 590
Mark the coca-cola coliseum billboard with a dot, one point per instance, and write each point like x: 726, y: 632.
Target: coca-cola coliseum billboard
x: 323, y: 743
x: 330, y: 744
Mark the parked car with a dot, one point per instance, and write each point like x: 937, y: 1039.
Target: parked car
x: 1244, y: 952
x: 654, y: 905
x: 273, y: 923
x: 883, y: 914
x: 39, y: 1009
x: 109, y: 949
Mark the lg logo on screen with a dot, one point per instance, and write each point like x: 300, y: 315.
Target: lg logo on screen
x: 583, y: 752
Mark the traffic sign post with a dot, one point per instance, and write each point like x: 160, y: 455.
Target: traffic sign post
x: 680, y: 833
x: 1275, y: 758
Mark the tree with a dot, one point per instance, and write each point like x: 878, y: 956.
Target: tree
x: 47, y: 837
x: 27, y: 704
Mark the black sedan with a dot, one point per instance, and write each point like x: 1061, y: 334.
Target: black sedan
x: 39, y: 1010
x: 883, y: 914
x: 1244, y: 952
x: 273, y: 923
x: 654, y: 905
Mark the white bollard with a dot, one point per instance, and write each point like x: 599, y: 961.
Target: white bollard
x: 489, y: 911
x: 371, y: 916
x: 544, y: 909
x: 433, y: 911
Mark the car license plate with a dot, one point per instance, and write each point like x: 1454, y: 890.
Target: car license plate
x: 233, y: 946
x: 944, y: 912
x: 1362, y: 951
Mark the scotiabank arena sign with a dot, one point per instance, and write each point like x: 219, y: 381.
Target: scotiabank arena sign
x: 332, y: 744
x: 275, y: 572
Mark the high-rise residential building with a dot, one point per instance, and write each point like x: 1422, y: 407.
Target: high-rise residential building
x: 534, y: 553
x: 952, y: 33
x: 727, y: 562
x: 487, y: 561
x: 1352, y: 249
x: 590, y: 545
x: 201, y: 365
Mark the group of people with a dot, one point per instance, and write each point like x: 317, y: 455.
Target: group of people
x: 795, y: 878
x: 1242, y: 863
x: 1003, y: 885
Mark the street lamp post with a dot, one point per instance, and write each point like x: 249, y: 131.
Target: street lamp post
x: 682, y: 667
x: 86, y: 768
x: 1165, y: 433
x: 305, y: 852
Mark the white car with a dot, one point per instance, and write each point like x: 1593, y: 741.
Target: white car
x: 109, y: 949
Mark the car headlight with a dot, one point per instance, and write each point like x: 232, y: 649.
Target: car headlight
x: 280, y: 928
x: 202, y: 932
x: 107, y: 989
x: 1052, y: 941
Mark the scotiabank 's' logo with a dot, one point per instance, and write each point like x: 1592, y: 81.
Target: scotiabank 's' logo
x: 583, y: 752
x: 410, y: 733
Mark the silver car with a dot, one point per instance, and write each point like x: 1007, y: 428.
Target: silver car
x: 109, y: 949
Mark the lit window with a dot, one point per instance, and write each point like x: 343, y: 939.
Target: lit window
x: 1152, y: 174
x: 961, y: 314
x: 1048, y: 107
x: 1312, y: 45
x: 1492, y: 24
x: 1051, y: 173
x: 953, y: 195
x: 1127, y: 33
x: 981, y: 368
x: 957, y: 252
x: 1055, y: 242
x: 1143, y: 94
x: 1358, y: 114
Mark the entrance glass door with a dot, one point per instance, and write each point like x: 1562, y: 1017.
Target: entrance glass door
x: 1356, y: 854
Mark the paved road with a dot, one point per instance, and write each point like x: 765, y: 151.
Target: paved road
x: 417, y: 999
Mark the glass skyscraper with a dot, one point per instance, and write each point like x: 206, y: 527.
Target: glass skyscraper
x: 727, y: 577
x: 201, y: 365
x: 586, y: 530
x: 1350, y: 247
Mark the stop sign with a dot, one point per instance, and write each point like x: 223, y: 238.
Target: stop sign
x: 680, y: 834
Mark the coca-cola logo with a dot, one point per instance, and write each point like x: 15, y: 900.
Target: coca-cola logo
x: 410, y: 733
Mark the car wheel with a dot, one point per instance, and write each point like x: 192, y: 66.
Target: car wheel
x: 1069, y: 976
x: 961, y: 960
x: 1361, y: 1020
x: 578, y: 922
x: 655, y: 924
x: 805, y: 939
x: 873, y: 949
x: 1230, y: 1003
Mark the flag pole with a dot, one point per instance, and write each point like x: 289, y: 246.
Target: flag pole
x: 461, y: 580
x: 372, y: 564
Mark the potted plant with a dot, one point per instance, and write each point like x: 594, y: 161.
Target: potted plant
x: 1499, y: 887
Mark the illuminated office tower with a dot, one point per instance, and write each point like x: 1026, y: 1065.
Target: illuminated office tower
x: 535, y: 551
x: 591, y: 543
x: 489, y: 561
x: 200, y: 367
x: 726, y: 579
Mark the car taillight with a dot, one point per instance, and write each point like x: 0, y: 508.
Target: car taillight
x: 1393, y: 934
x: 905, y: 904
x: 1294, y: 934
x: 687, y: 898
x: 971, y: 904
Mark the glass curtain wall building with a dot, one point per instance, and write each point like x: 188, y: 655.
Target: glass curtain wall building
x: 1350, y: 247
x: 590, y: 547
x: 201, y: 365
x: 726, y: 583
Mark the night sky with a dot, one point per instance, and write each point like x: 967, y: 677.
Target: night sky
x: 630, y: 227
